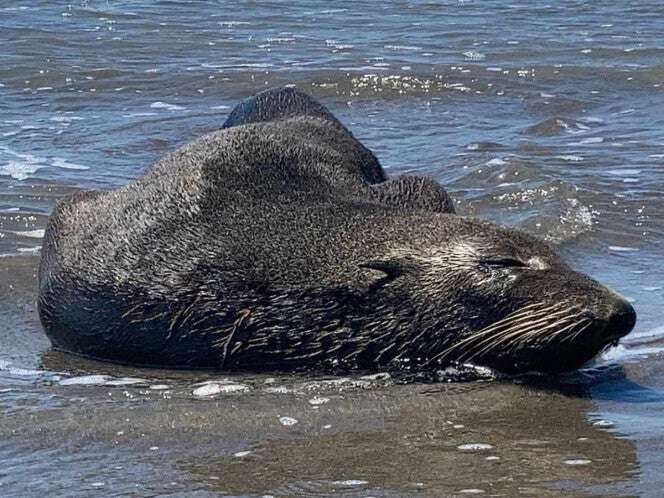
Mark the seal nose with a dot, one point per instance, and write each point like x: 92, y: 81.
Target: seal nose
x: 621, y: 318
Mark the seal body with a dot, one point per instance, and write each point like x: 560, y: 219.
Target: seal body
x: 278, y: 243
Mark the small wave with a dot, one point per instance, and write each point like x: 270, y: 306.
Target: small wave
x: 496, y: 162
x: 513, y: 193
x: 6, y: 366
x: 589, y: 141
x: 25, y: 165
x: 555, y: 126
x: 337, y: 45
x: 32, y: 234
x: 622, y: 249
x: 65, y: 118
x: 472, y: 55
x: 212, y: 388
x: 21, y: 170
x: 29, y: 250
x: 285, y: 39
x: 230, y: 24
x: 102, y: 380
x: 484, y: 146
x: 166, y: 106
x: 260, y: 65
x: 624, y: 172
x: 61, y: 163
x: 351, y: 482
x: 403, y: 47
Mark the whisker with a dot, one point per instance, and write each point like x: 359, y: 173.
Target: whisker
x: 519, y: 334
x: 501, y: 327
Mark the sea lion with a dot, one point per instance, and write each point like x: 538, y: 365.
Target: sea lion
x: 278, y: 243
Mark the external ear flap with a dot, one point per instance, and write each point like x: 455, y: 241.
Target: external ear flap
x: 391, y: 267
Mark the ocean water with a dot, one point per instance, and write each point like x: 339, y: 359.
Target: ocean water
x: 545, y: 116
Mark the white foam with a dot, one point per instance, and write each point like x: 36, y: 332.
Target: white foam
x: 380, y: 376
x: 166, y: 106
x: 18, y: 371
x: 33, y: 234
x: 21, y: 170
x: 591, y: 140
x: 255, y: 64
x: 233, y: 23
x: 578, y: 461
x: 287, y: 421
x: 27, y: 164
x: 318, y: 400
x: 32, y: 250
x: 622, y: 249
x: 474, y: 56
x: 61, y: 163
x: 139, y: 114
x: 402, y: 47
x: 603, y: 423
x: 65, y: 118
x: 212, y: 388
x: 475, y: 447
x: 351, y: 482
x: 86, y: 380
x: 125, y: 381
x: 624, y: 172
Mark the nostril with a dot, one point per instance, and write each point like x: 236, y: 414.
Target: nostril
x: 622, y: 319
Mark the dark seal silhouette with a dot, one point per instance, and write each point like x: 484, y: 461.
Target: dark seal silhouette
x: 278, y: 243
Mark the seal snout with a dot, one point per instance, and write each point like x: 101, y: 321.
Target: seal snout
x: 621, y: 319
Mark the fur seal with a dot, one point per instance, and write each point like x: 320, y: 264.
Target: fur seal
x: 278, y: 243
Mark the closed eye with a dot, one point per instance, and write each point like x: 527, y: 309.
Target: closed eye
x: 504, y: 263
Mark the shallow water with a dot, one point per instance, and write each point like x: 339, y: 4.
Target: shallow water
x: 545, y: 116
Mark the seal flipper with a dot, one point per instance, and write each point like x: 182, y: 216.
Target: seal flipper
x: 276, y: 104
x: 413, y: 192
x: 302, y: 115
